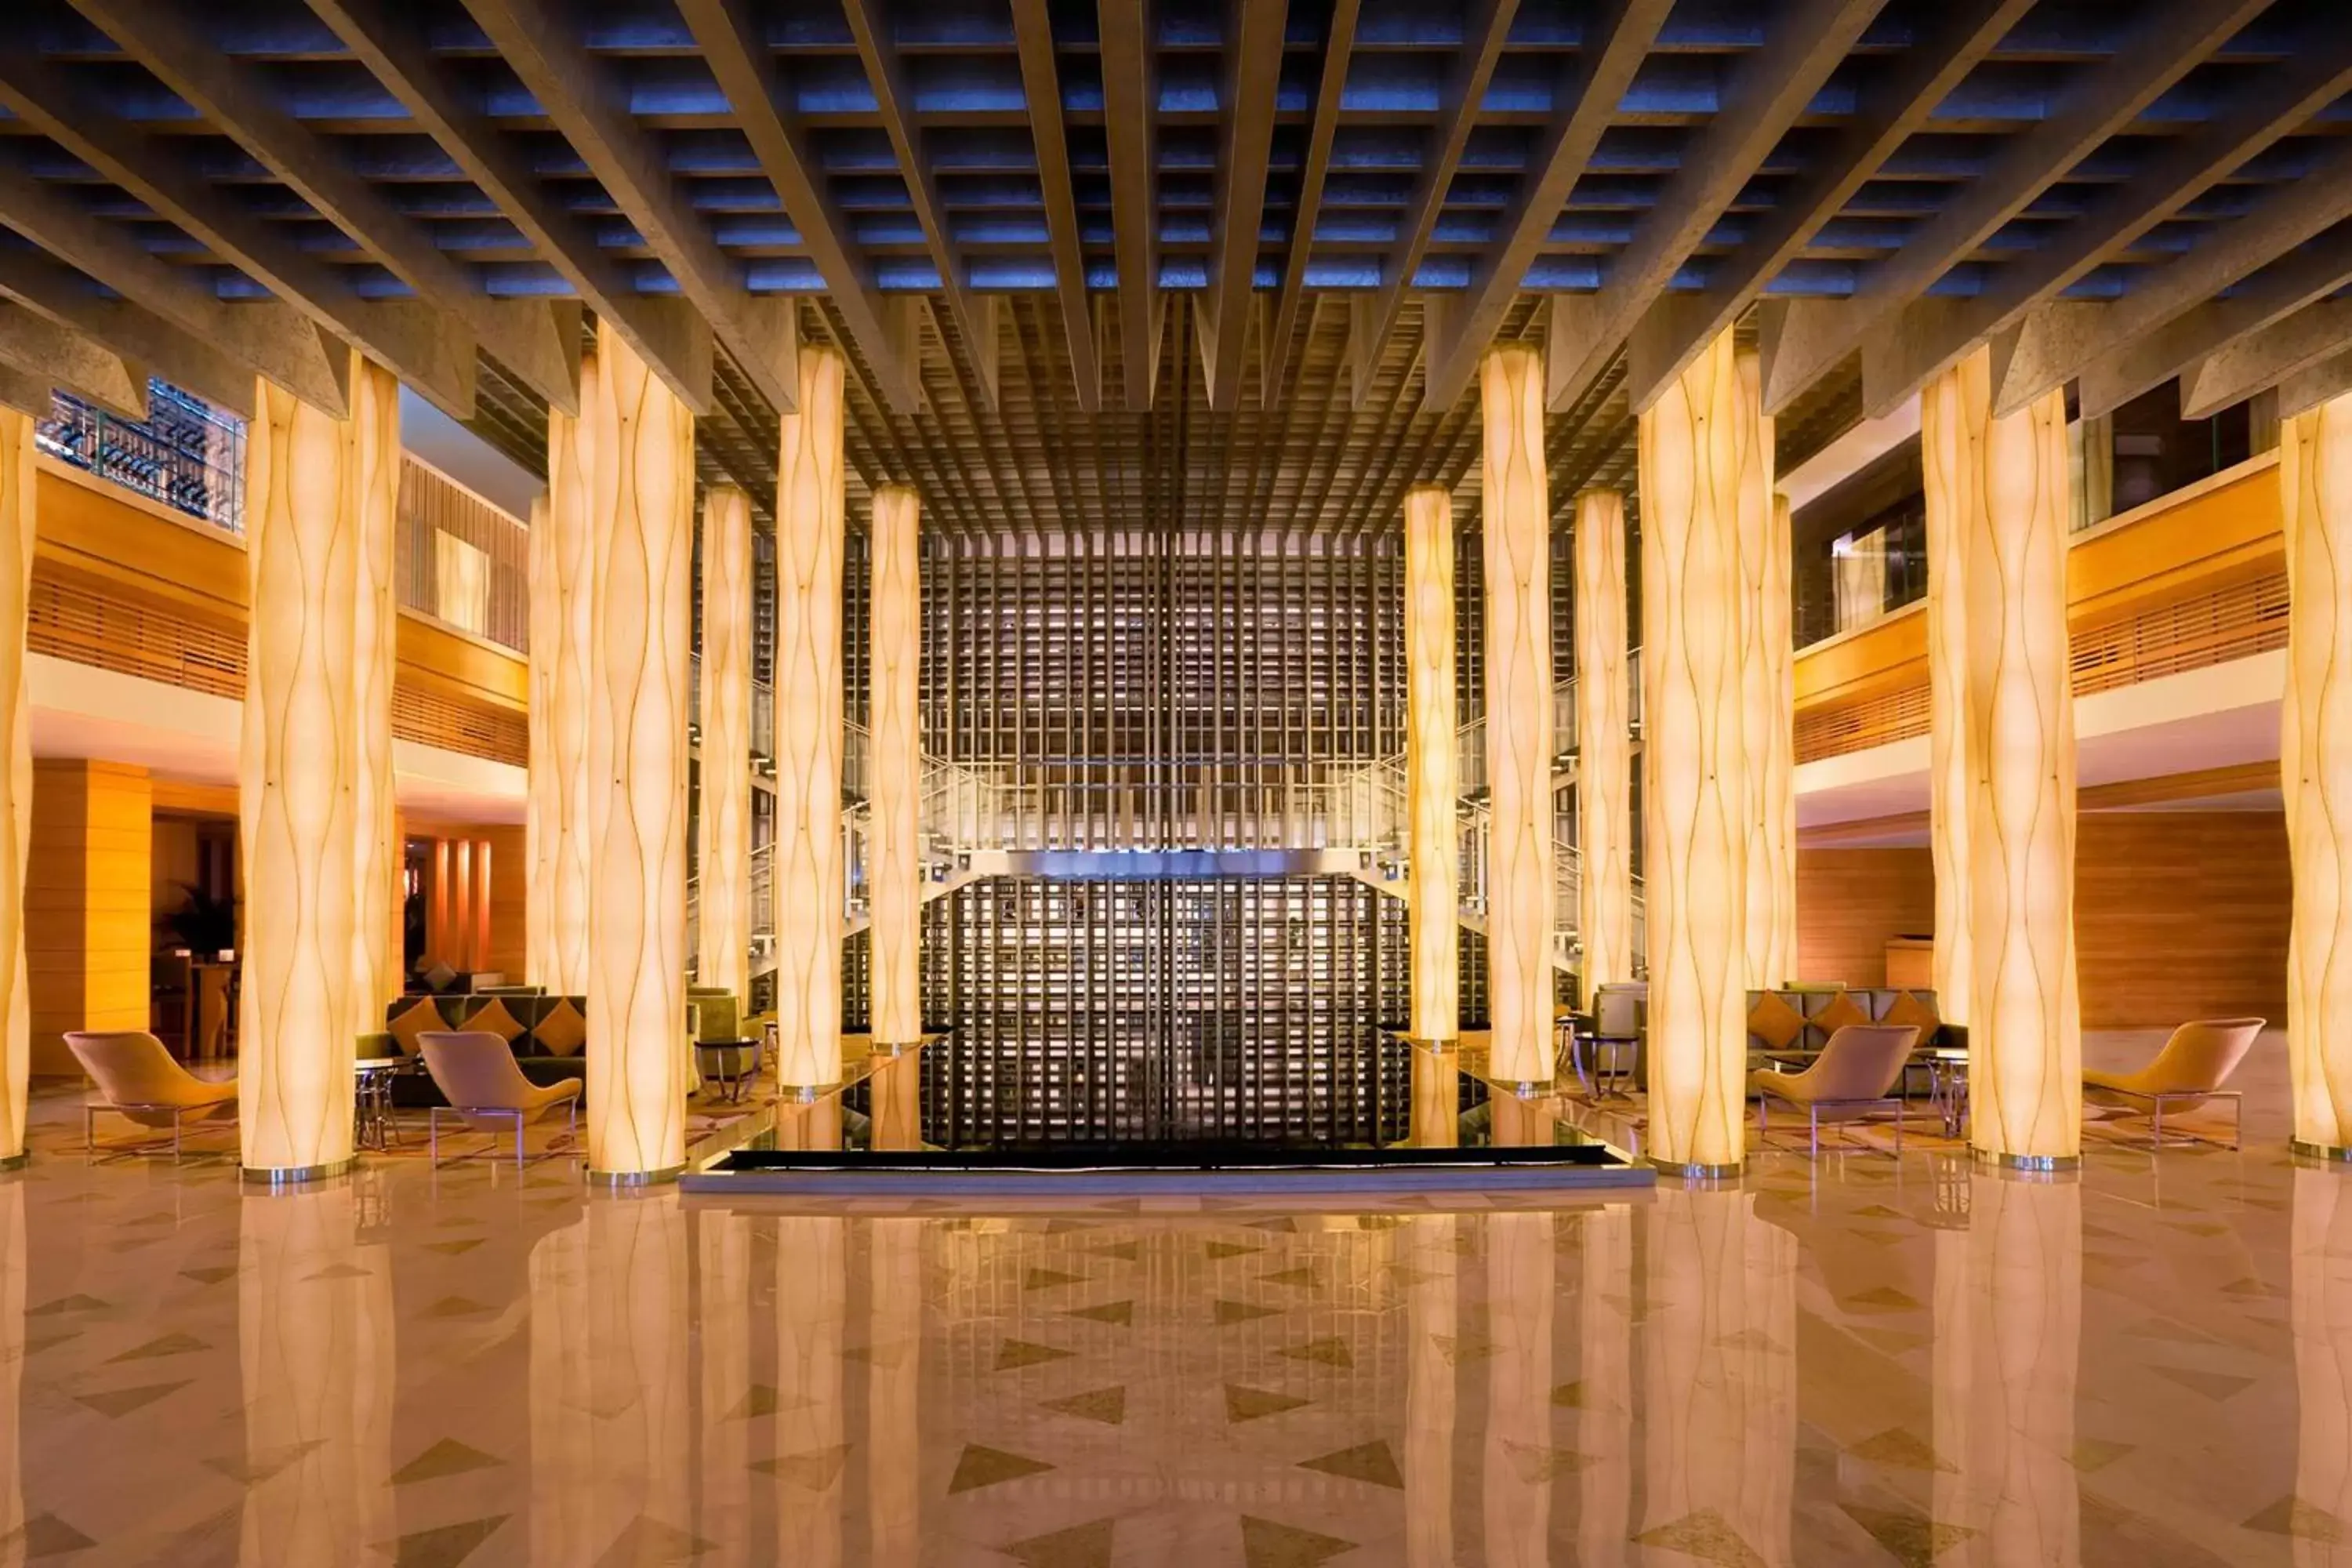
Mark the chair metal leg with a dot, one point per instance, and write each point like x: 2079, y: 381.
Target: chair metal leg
x: 89, y: 1129
x: 518, y: 1122
x: 178, y: 1118
x: 2156, y: 1124
x: 1813, y: 1116
x: 432, y: 1134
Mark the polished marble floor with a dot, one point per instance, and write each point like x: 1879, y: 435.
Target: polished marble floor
x: 1855, y: 1360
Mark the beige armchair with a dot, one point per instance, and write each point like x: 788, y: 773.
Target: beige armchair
x: 1856, y: 1073
x: 476, y: 1073
x: 2189, y: 1070
x: 137, y: 1079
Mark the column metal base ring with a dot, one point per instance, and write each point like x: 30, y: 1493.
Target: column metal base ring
x: 277, y: 1176
x: 15, y: 1161
x: 1441, y: 1044
x: 2324, y: 1153
x: 1696, y: 1170
x: 2030, y: 1164
x: 630, y: 1181
x: 895, y: 1049
x: 1530, y: 1088
x: 805, y: 1093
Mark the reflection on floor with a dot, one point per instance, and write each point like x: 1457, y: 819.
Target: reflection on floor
x: 1854, y: 1360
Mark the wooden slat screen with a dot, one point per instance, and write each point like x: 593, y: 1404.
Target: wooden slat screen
x: 431, y: 506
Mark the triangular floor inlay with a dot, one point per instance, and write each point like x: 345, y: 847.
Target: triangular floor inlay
x: 1374, y: 1462
x: 980, y: 1467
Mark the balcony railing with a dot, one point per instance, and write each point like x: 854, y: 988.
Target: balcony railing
x: 185, y: 454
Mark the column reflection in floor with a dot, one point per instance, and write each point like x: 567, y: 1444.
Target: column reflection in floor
x: 12, y: 1372
x: 1520, y: 1460
x: 1432, y: 1306
x: 1602, y: 1394
x: 894, y: 1384
x: 1719, y: 1378
x: 2321, y: 1311
x: 722, y: 1322
x: 315, y: 1346
x: 812, y: 1449
x: 2017, y: 1315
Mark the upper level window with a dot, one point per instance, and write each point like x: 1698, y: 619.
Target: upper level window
x: 186, y: 454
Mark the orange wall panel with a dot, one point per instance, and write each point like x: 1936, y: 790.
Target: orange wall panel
x: 2180, y: 915
x: 1849, y: 901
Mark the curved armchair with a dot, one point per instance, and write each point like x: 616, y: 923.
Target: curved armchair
x: 138, y: 1080
x: 2189, y: 1070
x: 475, y: 1072
x: 1855, y: 1074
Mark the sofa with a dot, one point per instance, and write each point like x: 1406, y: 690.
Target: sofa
x: 547, y: 1040
x: 1796, y: 1021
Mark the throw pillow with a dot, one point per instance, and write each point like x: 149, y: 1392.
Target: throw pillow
x: 440, y: 977
x: 1910, y: 1008
x: 414, y: 1020
x: 494, y: 1019
x: 1842, y: 1010
x: 1774, y: 1021
x: 563, y: 1031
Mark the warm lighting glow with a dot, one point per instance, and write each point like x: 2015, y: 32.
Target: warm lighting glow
x: 1516, y: 519
x: 17, y: 483
x: 1432, y: 881
x: 1432, y: 1289
x: 2316, y: 768
x: 2320, y: 1281
x: 1520, y: 1463
x: 1695, y: 791
x: 1951, y: 460
x: 2025, y: 1038
x: 297, y: 1011
x: 894, y: 861
x: 1604, y: 744
x: 808, y: 854
x: 641, y: 514
x: 1767, y: 716
x: 723, y: 938
x: 373, y: 478
x: 563, y: 636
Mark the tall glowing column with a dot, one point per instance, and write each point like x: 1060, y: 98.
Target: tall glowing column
x: 296, y: 782
x: 895, y: 863
x: 1434, y: 912
x: 372, y: 474
x: 808, y: 854
x: 1768, y: 715
x: 1516, y: 518
x: 2025, y: 1044
x: 563, y: 643
x: 1952, y: 470
x: 1604, y: 744
x: 725, y: 823
x: 1695, y: 795
x: 641, y: 515
x: 17, y: 487
x: 2316, y: 771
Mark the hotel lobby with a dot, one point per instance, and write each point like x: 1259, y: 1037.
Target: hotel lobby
x: 1082, y: 783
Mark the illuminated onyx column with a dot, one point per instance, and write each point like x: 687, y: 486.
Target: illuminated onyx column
x: 894, y: 862
x: 1768, y: 693
x: 725, y: 823
x: 808, y: 854
x: 1517, y: 523
x: 563, y: 641
x: 1952, y: 472
x: 2025, y: 1044
x: 372, y: 474
x: 641, y: 515
x: 17, y: 488
x: 1434, y: 912
x: 2316, y: 769
x: 1694, y: 796
x: 1604, y: 744
x: 297, y: 781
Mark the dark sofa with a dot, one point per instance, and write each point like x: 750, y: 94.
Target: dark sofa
x: 529, y: 1009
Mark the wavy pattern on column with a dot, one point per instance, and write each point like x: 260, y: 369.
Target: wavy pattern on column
x: 374, y: 475
x: 1605, y: 742
x: 1952, y: 438
x: 1516, y: 519
x: 1694, y: 794
x: 1766, y: 693
x: 2315, y: 767
x: 724, y: 938
x: 563, y: 643
x: 18, y: 484
x: 299, y: 752
x: 642, y: 513
x: 894, y: 870
x: 2017, y: 1484
x: 808, y: 856
x: 1432, y: 880
x: 2025, y: 1038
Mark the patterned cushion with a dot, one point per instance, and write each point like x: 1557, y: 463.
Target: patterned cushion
x: 563, y: 1031
x: 414, y: 1020
x: 1774, y: 1021
x: 494, y: 1019
x: 1910, y: 1008
x: 1842, y: 1010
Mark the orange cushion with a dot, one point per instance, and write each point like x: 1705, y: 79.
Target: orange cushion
x: 1774, y: 1021
x: 414, y: 1020
x: 1910, y: 1008
x: 494, y: 1019
x: 563, y: 1031
x: 1843, y: 1010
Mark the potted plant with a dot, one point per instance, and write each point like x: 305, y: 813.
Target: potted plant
x: 203, y: 924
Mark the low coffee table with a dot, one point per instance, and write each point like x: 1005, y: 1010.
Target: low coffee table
x: 1948, y: 1087
x: 372, y: 1125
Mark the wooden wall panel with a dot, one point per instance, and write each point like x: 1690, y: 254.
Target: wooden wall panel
x: 89, y: 890
x: 1849, y: 901
x: 509, y: 899
x: 2180, y: 915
